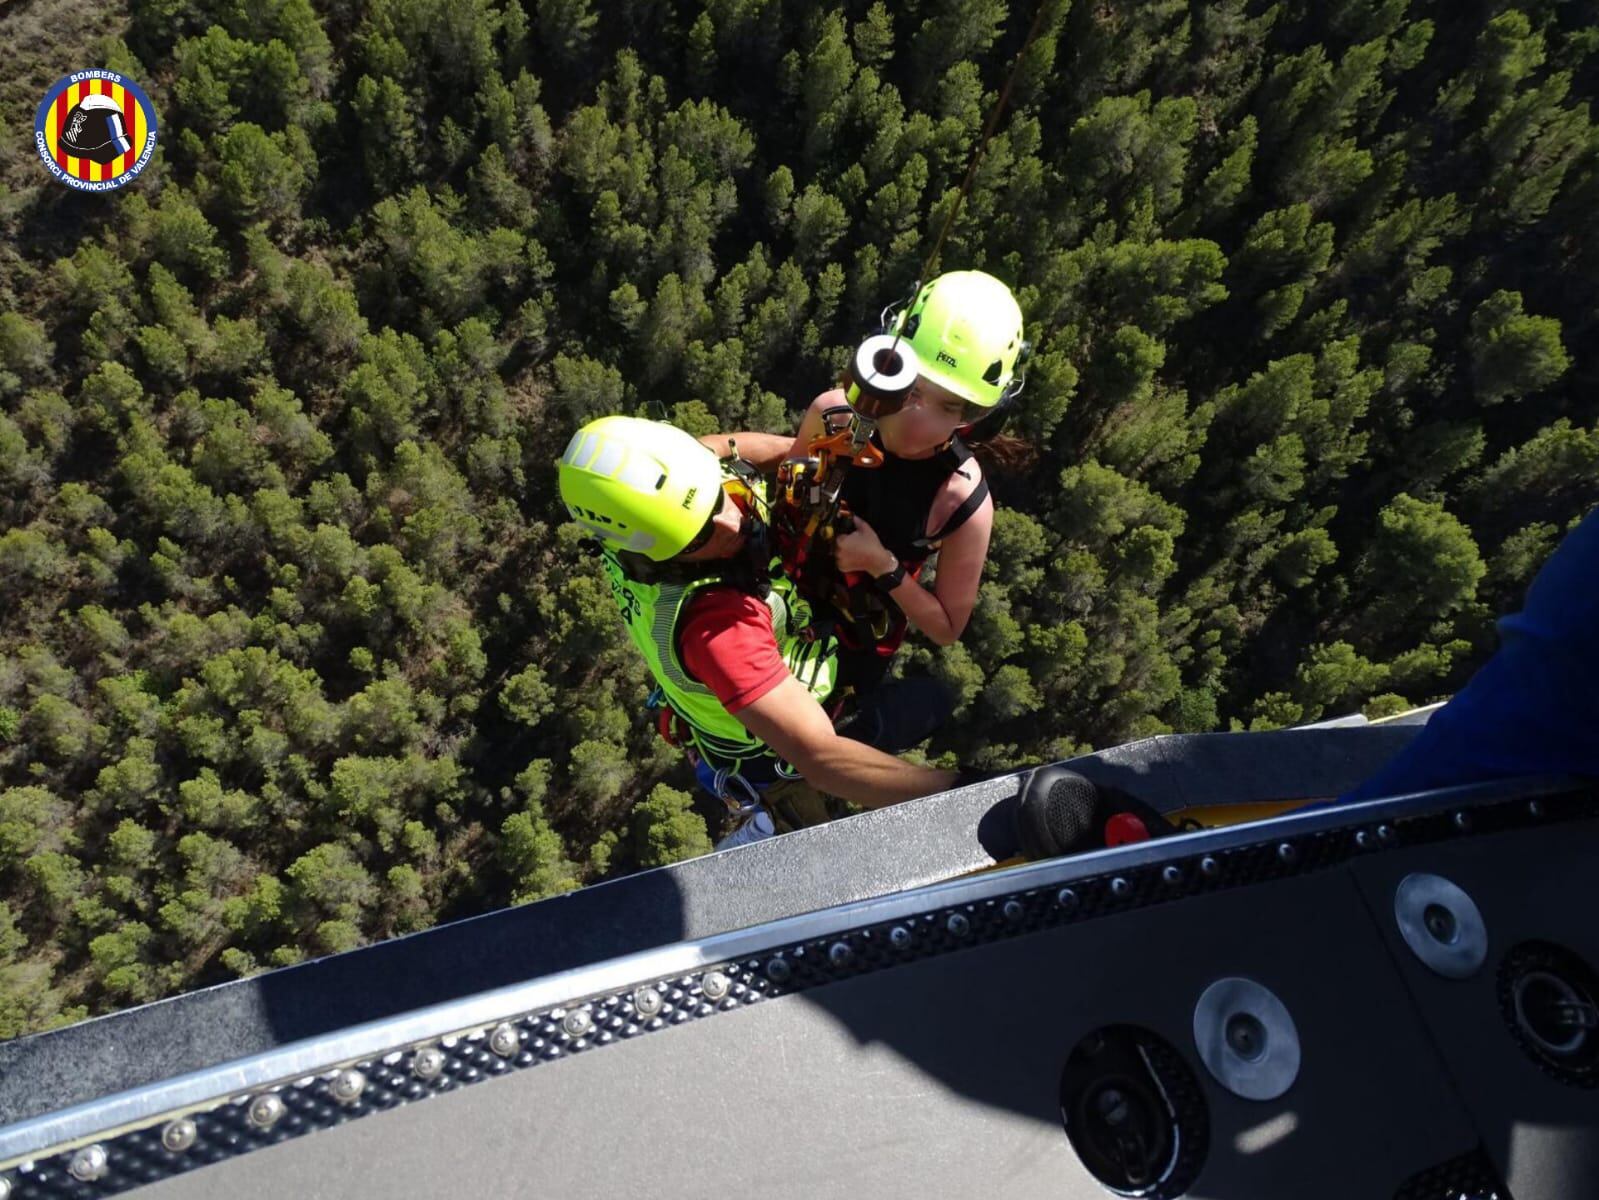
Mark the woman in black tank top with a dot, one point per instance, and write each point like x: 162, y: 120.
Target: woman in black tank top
x: 929, y: 496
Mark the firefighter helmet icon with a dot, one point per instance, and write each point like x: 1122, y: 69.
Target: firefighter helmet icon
x: 95, y: 130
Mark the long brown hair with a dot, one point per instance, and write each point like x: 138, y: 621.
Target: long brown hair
x: 1005, y: 452
x: 996, y: 449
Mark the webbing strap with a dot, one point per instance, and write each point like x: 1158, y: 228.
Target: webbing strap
x: 968, y: 507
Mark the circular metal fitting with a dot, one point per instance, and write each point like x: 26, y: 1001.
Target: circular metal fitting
x: 1013, y: 910
x: 1172, y: 875
x: 716, y: 986
x: 578, y: 1023
x: 1067, y: 899
x: 1441, y: 924
x: 1286, y: 852
x: 1363, y: 840
x: 1246, y: 1039
x: 1541, y: 992
x: 88, y: 1164
x: 5, y: 1188
x: 840, y: 953
x: 1209, y: 867
x: 1462, y: 820
x: 1385, y: 833
x: 177, y: 1136
x: 1534, y: 808
x: 266, y: 1110
x: 883, y: 369
x: 428, y: 1063
x: 504, y: 1041
x: 1120, y: 888
x: 958, y: 925
x: 347, y: 1086
x: 647, y: 1001
x: 778, y: 969
x: 899, y: 937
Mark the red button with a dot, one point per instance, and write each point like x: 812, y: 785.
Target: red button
x: 1123, y: 829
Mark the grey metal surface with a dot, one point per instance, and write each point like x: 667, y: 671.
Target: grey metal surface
x: 1110, y: 872
x: 1105, y: 884
x: 875, y: 854
x: 938, y: 1078
x: 1190, y: 770
x: 684, y: 1120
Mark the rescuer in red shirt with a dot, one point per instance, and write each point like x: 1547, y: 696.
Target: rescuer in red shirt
x: 728, y: 639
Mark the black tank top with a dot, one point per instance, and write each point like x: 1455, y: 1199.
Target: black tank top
x: 897, y: 497
x: 896, y: 500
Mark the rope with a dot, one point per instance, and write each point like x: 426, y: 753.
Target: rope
x: 977, y: 157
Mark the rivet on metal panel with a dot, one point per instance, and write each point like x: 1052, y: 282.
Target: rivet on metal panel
x: 177, y: 1136
x: 428, y: 1063
x: 504, y: 1040
x: 647, y: 1001
x: 266, y: 1110
x: 348, y: 1085
x: 88, y: 1164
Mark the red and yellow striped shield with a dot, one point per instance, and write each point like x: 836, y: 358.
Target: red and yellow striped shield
x: 124, y: 116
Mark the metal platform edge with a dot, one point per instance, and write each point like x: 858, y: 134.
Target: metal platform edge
x: 875, y: 854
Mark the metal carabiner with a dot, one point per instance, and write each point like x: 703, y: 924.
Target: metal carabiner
x: 728, y: 775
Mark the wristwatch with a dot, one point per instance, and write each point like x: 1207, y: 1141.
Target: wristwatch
x: 889, y: 580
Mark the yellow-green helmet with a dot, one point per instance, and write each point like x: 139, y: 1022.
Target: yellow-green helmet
x: 639, y: 485
x: 966, y: 329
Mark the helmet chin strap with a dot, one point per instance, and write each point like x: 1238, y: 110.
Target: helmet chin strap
x: 750, y: 568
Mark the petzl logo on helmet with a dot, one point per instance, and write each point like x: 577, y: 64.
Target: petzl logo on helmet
x: 95, y: 130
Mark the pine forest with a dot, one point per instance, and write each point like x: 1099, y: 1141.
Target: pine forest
x: 299, y: 650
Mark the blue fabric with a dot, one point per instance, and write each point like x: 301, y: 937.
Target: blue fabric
x: 1533, y: 708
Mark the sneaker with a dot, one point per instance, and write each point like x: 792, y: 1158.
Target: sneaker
x: 757, y: 827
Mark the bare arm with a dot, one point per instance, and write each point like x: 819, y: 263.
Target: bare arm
x: 766, y: 450
x: 942, y: 613
x: 763, y: 451
x: 791, y: 722
x: 811, y: 426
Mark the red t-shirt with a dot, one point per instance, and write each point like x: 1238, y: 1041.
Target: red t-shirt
x: 725, y: 640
